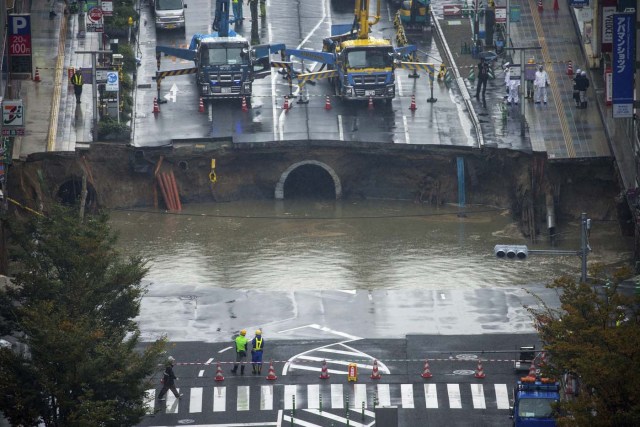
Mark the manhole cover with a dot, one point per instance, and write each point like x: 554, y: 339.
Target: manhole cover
x: 466, y: 357
x: 464, y: 372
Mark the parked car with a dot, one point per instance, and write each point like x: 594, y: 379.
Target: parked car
x: 169, y: 14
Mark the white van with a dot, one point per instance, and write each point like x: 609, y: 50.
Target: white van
x: 169, y: 14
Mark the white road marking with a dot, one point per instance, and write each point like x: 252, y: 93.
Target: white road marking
x: 298, y: 422
x: 265, y: 424
x: 406, y: 391
x: 384, y: 395
x: 219, y: 399
x: 195, y: 400
x: 150, y: 401
x: 289, y: 394
x: 313, y: 396
x: 328, y: 415
x: 225, y: 349
x: 266, y: 398
x: 477, y: 394
x: 311, y: 368
x: 407, y: 138
x: 171, y: 403
x: 399, y: 84
x: 359, y: 395
x: 431, y: 396
x: 453, y: 390
x: 243, y: 398
x: 208, y: 362
x: 201, y: 373
x: 502, y: 396
x: 337, y: 401
x: 443, y: 296
x: 340, y: 128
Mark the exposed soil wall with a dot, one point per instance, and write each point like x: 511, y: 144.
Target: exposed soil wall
x: 122, y: 176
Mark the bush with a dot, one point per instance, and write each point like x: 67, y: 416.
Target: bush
x: 110, y: 130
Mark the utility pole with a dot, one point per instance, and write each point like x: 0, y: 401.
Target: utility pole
x: 93, y: 53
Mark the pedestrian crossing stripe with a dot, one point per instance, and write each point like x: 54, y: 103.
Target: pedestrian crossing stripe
x: 405, y: 396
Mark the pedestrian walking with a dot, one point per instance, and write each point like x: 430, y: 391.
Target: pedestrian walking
x: 169, y: 381
x: 253, y: 5
x: 77, y: 82
x: 257, y: 346
x: 263, y: 8
x: 237, y: 11
x: 541, y: 82
x: 507, y: 78
x: 583, y: 85
x: 576, y: 90
x: 241, y: 352
x: 483, y: 77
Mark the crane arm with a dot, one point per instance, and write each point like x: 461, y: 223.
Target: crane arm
x: 362, y: 18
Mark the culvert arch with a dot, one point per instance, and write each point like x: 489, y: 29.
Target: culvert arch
x: 308, y: 169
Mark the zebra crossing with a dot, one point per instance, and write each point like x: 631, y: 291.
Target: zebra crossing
x: 315, y: 397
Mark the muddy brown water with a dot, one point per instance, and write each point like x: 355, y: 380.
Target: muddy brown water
x: 373, y: 244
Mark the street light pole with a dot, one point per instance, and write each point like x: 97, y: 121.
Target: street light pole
x: 585, y: 226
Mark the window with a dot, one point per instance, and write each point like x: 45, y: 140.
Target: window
x: 369, y: 58
x: 535, y: 408
x: 168, y: 4
x: 223, y: 56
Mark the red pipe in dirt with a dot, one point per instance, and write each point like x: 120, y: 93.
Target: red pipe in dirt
x: 163, y: 190
x: 175, y: 191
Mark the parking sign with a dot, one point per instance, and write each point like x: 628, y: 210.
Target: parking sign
x: 20, y: 43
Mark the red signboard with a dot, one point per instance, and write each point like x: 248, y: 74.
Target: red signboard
x: 19, y: 45
x: 452, y: 10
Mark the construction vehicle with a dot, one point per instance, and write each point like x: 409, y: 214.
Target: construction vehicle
x: 359, y: 66
x: 533, y: 402
x: 225, y: 64
x: 415, y: 14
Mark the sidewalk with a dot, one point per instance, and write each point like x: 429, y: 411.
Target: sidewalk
x: 54, y: 122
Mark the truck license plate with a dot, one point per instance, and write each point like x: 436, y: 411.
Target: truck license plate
x: 369, y: 93
x: 226, y: 90
x: 171, y: 26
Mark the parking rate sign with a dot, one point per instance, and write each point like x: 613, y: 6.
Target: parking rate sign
x: 20, y: 43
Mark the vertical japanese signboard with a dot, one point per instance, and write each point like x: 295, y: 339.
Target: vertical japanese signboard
x: 20, y: 60
x: 624, y: 34
x: 607, y: 27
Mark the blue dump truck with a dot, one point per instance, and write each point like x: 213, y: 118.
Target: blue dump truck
x: 533, y: 402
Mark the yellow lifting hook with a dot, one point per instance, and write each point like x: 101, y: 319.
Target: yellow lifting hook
x: 212, y: 175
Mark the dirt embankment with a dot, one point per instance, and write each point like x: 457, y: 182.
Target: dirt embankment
x: 122, y: 176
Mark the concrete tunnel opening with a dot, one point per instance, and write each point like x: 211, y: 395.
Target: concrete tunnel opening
x: 309, y: 180
x: 70, y: 192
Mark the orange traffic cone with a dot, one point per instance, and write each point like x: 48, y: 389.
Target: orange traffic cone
x: 324, y: 372
x: 156, y: 107
x: 426, y: 372
x: 532, y: 369
x: 36, y: 78
x: 556, y: 7
x: 370, y: 103
x: 570, y: 69
x: 480, y: 371
x: 375, y: 375
x: 285, y: 107
x: 272, y: 373
x: 201, y: 106
x: 413, y: 106
x: 540, y: 8
x: 245, y: 107
x: 219, y: 376
x: 327, y: 103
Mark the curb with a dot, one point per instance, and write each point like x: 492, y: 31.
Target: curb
x: 55, y: 102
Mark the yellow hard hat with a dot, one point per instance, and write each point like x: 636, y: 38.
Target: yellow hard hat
x: 243, y: 332
x: 258, y: 332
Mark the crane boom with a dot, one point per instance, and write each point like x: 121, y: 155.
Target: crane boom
x: 362, y: 18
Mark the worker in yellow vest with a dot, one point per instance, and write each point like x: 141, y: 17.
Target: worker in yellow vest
x: 257, y: 345
x: 77, y: 82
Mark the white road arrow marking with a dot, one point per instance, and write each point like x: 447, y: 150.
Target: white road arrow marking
x: 171, y: 96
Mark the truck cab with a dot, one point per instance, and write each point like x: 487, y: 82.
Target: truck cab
x: 169, y: 14
x: 533, y: 402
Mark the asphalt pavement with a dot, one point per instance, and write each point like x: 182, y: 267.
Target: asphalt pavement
x: 470, y: 385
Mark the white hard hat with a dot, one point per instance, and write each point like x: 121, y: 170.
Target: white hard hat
x: 584, y: 73
x: 578, y: 71
x: 171, y: 359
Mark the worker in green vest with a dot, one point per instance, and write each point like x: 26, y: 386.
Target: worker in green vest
x: 241, y: 352
x: 237, y: 11
x: 257, y: 345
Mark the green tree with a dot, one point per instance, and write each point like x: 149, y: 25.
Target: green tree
x: 595, y: 336
x: 72, y: 301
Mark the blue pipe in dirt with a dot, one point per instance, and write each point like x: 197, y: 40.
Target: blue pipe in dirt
x: 461, y: 198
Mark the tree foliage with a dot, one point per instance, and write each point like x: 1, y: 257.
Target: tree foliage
x: 73, y: 302
x: 595, y: 337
